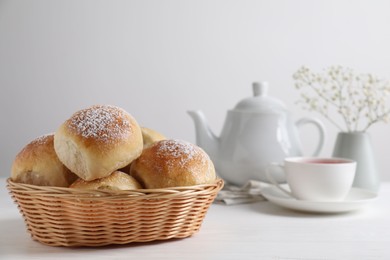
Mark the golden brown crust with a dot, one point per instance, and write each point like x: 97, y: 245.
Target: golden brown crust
x: 172, y: 163
x: 96, y: 141
x: 38, y: 164
x: 115, y: 181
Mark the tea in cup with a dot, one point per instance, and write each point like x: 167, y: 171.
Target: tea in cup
x: 316, y: 179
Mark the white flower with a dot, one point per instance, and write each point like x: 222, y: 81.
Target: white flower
x: 360, y: 99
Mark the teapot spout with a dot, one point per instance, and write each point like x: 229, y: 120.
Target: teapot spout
x: 205, y: 138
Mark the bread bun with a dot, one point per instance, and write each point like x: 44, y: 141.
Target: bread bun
x: 172, y: 163
x: 115, y: 181
x: 151, y: 136
x: 38, y: 164
x: 96, y: 141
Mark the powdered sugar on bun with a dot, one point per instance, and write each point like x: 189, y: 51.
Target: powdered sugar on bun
x: 102, y: 123
x: 180, y: 152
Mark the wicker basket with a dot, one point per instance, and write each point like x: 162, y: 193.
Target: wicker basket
x: 72, y: 217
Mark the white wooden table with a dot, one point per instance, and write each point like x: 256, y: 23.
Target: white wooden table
x: 250, y: 231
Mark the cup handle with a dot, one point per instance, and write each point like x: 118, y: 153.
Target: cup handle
x: 273, y: 181
x: 321, y: 129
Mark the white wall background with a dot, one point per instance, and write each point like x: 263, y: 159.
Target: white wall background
x: 157, y: 59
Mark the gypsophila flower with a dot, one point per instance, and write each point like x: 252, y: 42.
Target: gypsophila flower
x: 360, y: 99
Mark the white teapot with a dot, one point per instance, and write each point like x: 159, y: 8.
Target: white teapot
x: 257, y: 131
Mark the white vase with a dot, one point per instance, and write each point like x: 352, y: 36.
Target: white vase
x: 358, y: 146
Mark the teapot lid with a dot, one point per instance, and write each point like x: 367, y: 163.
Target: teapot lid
x: 261, y: 102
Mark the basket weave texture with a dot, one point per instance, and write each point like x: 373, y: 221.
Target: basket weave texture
x: 72, y: 217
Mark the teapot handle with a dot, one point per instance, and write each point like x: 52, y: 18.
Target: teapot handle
x: 321, y: 129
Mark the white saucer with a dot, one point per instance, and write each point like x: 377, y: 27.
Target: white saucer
x: 356, y: 199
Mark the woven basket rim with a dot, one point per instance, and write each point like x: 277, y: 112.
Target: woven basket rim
x: 88, y: 193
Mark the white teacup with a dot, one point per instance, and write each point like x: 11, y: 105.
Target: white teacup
x: 316, y: 179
